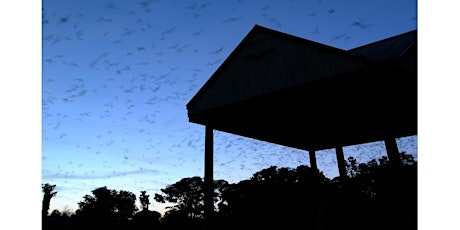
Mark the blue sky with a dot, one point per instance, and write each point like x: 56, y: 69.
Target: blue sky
x: 114, y: 78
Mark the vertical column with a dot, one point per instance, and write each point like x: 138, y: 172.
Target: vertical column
x: 341, y: 163
x: 392, y: 151
x: 313, y: 160
x: 393, y: 194
x: 316, y: 197
x: 395, y: 162
x: 344, y: 202
x: 208, y: 176
x: 386, y: 127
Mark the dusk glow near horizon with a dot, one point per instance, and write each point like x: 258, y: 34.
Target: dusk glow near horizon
x: 116, y: 76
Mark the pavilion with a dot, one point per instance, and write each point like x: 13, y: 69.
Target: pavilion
x: 294, y: 92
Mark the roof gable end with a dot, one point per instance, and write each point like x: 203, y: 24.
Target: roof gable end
x: 266, y: 61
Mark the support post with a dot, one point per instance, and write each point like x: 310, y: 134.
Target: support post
x: 387, y: 128
x: 393, y: 152
x: 313, y: 164
x: 394, y: 194
x: 208, y: 177
x: 341, y: 163
x: 316, y: 198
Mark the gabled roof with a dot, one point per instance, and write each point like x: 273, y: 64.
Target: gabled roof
x: 388, y: 49
x: 261, y: 42
x: 294, y: 92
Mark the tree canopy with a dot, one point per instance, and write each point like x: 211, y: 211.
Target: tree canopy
x: 107, y: 206
x: 376, y: 196
x: 49, y: 193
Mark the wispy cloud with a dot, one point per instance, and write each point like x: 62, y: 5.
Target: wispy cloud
x: 104, y: 175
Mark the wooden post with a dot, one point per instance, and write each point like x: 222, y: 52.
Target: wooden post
x: 208, y: 177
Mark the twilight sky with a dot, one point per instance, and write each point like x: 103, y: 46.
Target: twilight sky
x: 116, y: 76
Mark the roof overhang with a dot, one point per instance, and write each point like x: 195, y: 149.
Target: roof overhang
x: 365, y: 104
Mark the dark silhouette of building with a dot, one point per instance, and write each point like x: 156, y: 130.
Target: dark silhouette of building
x: 286, y: 90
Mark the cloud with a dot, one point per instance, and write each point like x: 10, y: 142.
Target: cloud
x: 104, y: 175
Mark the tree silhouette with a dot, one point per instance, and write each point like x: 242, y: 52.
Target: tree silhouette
x: 107, y: 208
x: 146, y: 219
x: 275, y: 197
x: 60, y: 220
x: 377, y: 196
x: 187, y: 195
x: 144, y: 199
x: 125, y: 204
x: 49, y: 193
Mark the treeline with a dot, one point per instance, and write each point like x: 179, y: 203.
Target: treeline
x: 375, y: 195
